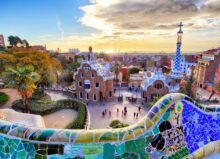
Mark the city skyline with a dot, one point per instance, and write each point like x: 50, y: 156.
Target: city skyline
x: 125, y: 25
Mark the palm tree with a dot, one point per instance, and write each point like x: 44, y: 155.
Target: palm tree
x: 23, y: 79
x: 117, y: 69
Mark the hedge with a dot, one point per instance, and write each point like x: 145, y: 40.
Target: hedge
x: 117, y: 124
x: 3, y: 98
x: 40, y: 108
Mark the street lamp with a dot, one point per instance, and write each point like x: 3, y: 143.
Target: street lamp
x: 136, y: 92
x: 119, y: 88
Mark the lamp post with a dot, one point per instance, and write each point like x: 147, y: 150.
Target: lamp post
x: 119, y: 89
x: 136, y: 92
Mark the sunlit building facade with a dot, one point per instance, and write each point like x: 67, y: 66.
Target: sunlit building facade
x: 94, y: 80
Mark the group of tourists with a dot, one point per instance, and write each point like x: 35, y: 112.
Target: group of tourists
x: 124, y: 112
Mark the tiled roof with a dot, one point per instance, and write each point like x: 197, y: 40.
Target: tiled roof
x: 102, y: 68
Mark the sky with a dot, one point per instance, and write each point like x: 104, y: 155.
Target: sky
x: 113, y: 25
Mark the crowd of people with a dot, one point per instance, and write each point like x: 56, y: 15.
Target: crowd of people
x: 124, y: 112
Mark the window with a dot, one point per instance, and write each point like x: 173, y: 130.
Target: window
x: 87, y: 84
x: 97, y: 84
x: 158, y: 86
x: 80, y: 95
x: 93, y: 75
x: 87, y: 96
x: 80, y: 84
x: 110, y: 94
x: 94, y: 97
x: 82, y: 74
x: 87, y: 68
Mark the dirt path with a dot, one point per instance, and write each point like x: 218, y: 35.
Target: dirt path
x: 13, y: 95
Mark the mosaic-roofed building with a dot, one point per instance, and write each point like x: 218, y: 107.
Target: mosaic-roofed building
x: 94, y: 80
x: 157, y: 84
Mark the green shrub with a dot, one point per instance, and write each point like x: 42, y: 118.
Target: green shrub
x: 3, y: 98
x: 117, y: 124
x: 43, y: 108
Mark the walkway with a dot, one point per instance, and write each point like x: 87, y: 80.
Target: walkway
x: 13, y: 95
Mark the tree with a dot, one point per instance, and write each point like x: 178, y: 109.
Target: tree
x: 217, y: 87
x: 24, y: 80
x: 14, y: 40
x: 26, y: 43
x: 117, y: 70
x: 73, y: 66
x: 133, y: 70
x: 44, y: 64
x: 188, y: 88
x: 79, y: 57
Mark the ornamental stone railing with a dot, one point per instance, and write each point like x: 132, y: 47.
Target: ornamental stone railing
x: 175, y: 127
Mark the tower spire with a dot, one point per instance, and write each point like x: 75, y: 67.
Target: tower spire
x: 176, y: 68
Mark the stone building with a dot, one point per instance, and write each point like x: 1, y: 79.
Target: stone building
x: 94, y: 80
x: 2, y: 41
x: 206, y: 71
x: 136, y: 79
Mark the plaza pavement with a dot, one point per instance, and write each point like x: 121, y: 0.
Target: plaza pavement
x: 61, y: 118
x: 96, y: 109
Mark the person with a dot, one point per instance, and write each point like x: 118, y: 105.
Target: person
x: 134, y: 114
x: 103, y: 113
x: 139, y: 108
x: 117, y: 110
x: 109, y: 113
x: 122, y: 113
x: 125, y: 109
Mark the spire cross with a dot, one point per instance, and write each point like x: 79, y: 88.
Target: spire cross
x: 180, y: 25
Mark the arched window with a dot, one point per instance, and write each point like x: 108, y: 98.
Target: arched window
x: 158, y: 86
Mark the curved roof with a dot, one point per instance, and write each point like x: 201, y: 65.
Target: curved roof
x: 157, y: 75
x: 103, y: 69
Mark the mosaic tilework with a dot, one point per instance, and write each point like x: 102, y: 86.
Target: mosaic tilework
x: 199, y: 128
x: 176, y: 127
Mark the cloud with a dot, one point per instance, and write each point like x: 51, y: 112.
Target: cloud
x: 145, y: 25
x: 126, y: 16
x: 59, y: 26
